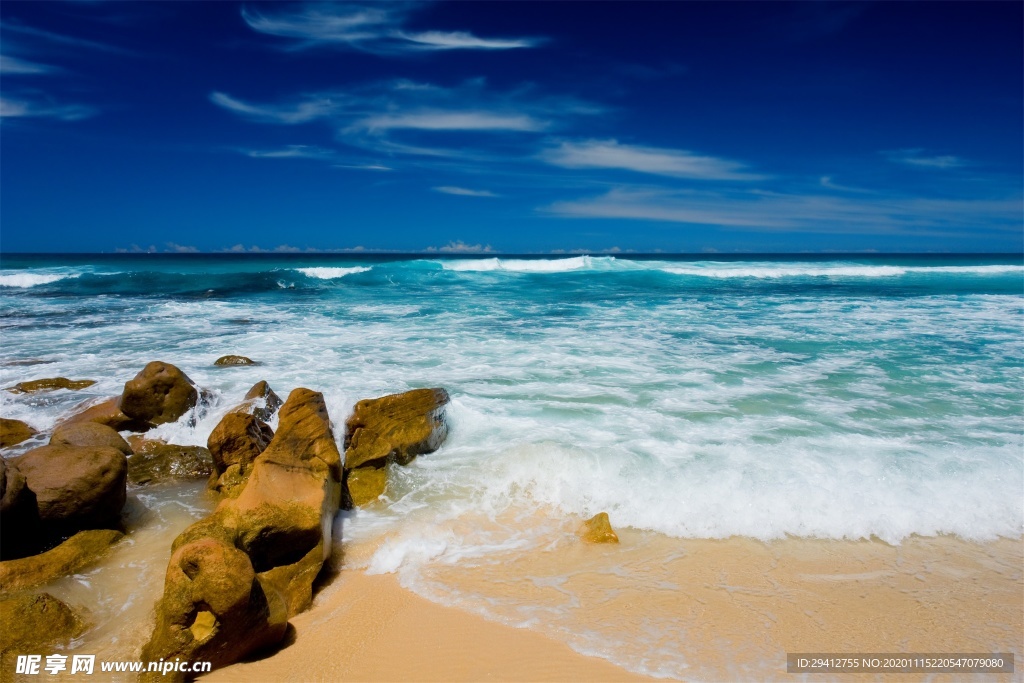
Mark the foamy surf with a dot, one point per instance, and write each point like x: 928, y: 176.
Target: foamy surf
x: 24, y: 280
x: 323, y: 273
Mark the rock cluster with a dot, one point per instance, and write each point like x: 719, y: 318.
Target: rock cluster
x: 240, y: 436
x: 160, y: 393
x: 391, y: 429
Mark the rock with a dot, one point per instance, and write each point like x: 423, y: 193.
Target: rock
x: 235, y: 443
x: 159, y: 393
x: 234, y: 360
x: 18, y: 519
x: 262, y: 410
x: 76, y: 487
x: 77, y: 552
x: 89, y: 434
x: 13, y: 432
x: 598, y: 529
x: 156, y: 461
x: 395, y: 428
x: 28, y: 621
x: 366, y: 484
x: 108, y: 412
x: 49, y: 384
x: 237, y: 576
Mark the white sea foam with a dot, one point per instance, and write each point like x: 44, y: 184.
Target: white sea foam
x: 561, y: 265
x: 24, y: 280
x: 721, y: 270
x: 323, y: 273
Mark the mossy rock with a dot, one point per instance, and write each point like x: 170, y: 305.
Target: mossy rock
x: 49, y: 384
x: 13, y: 432
x: 395, y: 428
x: 366, y: 484
x: 77, y: 552
x: 155, y: 461
x: 598, y: 529
x: 160, y: 393
x: 234, y: 360
x: 28, y: 620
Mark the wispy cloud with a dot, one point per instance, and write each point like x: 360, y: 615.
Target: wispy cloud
x: 460, y: 247
x: 287, y: 114
x: 60, y: 38
x: 291, y: 152
x: 14, y: 66
x: 827, y: 182
x: 917, y: 157
x: 12, y: 109
x: 464, y: 192
x: 677, y: 163
x: 375, y: 28
x: 809, y: 213
x: 451, y: 120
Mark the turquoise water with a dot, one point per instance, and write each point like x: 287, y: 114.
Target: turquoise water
x: 762, y: 397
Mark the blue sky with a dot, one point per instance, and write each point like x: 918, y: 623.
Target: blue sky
x: 511, y: 127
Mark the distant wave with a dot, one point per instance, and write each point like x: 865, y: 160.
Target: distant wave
x: 780, y: 271
x: 331, y: 273
x: 24, y: 280
x: 561, y: 265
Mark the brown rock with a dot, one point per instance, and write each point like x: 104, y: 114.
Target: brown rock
x: 13, y: 432
x: 236, y: 441
x: 264, y: 409
x: 49, y: 384
x: 108, y: 412
x: 237, y: 576
x: 366, y: 484
x: 76, y: 487
x: 156, y: 461
x: 598, y: 529
x: 234, y: 360
x: 159, y: 393
x: 89, y: 434
x: 77, y: 552
x: 29, y: 621
x: 395, y: 428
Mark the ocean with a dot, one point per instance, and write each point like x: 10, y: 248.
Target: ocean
x: 689, y: 397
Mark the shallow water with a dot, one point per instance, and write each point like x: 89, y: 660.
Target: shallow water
x: 766, y: 398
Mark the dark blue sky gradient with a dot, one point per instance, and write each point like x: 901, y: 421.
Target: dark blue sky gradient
x: 523, y: 127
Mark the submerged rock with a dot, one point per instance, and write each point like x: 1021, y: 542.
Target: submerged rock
x: 237, y: 576
x: 77, y: 552
x: 366, y: 484
x: 49, y: 384
x: 108, y: 412
x: 395, y: 428
x: 598, y: 529
x: 29, y: 621
x: 159, y: 393
x: 234, y: 444
x: 234, y: 360
x: 156, y: 461
x: 89, y: 434
x: 76, y: 487
x: 13, y: 432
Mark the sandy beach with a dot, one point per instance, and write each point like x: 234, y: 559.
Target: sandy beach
x: 739, y: 606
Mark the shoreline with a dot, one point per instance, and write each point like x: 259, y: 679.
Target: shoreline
x: 744, y: 605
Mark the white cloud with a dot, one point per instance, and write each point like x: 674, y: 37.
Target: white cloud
x: 15, y: 66
x: 915, y: 157
x: 463, y: 192
x: 451, y: 120
x: 288, y: 114
x: 827, y: 182
x: 375, y: 28
x: 801, y: 213
x: 675, y: 163
x: 181, y: 249
x: 291, y: 152
x: 24, y: 109
x: 460, y: 247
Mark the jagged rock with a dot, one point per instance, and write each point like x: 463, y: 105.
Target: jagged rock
x: 265, y: 409
x: 234, y: 444
x: 76, y: 487
x: 89, y: 434
x: 18, y: 519
x: 395, y: 428
x: 598, y: 529
x: 49, y: 384
x: 77, y: 552
x: 108, y: 412
x: 366, y: 484
x: 29, y: 621
x: 236, y: 577
x: 234, y: 360
x: 156, y: 461
x: 159, y: 393
x: 13, y: 432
